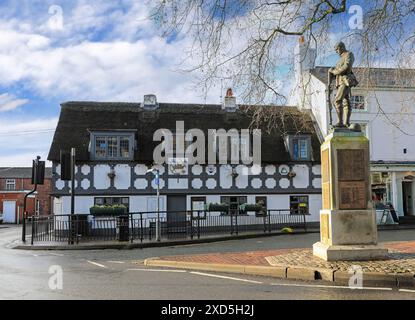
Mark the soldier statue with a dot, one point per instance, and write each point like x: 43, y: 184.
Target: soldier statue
x: 345, y: 80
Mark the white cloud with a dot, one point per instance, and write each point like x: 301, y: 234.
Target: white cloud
x: 22, y: 159
x: 22, y: 140
x: 113, y: 70
x: 9, y: 102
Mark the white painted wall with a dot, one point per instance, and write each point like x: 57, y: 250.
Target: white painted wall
x: 101, y: 179
x: 122, y: 178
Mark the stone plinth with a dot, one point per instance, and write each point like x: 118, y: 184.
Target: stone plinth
x: 347, y: 221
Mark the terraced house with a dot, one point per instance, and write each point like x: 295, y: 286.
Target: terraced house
x: 115, y: 149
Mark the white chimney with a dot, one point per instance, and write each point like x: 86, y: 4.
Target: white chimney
x: 150, y: 102
x: 229, y: 103
x: 305, y: 56
x: 304, y: 61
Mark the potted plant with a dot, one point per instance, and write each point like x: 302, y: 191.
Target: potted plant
x: 116, y: 210
x: 250, y: 207
x: 222, y: 207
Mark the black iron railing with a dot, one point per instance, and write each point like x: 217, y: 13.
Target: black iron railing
x: 143, y: 226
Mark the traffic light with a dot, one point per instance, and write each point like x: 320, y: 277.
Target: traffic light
x: 65, y: 158
x: 38, y: 172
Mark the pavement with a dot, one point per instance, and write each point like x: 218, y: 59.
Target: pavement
x: 398, y: 270
x: 137, y: 244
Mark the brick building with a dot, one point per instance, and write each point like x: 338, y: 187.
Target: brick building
x: 14, y: 184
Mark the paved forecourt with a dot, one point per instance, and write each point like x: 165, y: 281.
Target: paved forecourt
x: 397, y: 270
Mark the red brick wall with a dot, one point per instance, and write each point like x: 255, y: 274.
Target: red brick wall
x: 43, y: 195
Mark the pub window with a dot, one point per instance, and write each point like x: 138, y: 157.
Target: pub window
x: 112, y: 201
x: 234, y: 202
x: 263, y: 202
x: 198, y: 207
x: 299, y: 205
x: 112, y: 146
x: 10, y: 184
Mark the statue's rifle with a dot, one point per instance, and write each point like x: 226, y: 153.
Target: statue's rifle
x: 329, y: 90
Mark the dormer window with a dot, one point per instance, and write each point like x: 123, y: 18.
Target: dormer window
x: 299, y: 147
x: 112, y: 146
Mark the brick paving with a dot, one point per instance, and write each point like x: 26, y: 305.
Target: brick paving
x: 401, y: 259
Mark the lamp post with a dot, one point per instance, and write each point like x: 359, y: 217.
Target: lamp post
x: 156, y: 172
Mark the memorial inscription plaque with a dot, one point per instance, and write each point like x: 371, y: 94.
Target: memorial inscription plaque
x: 351, y: 164
x: 352, y: 179
x: 353, y: 195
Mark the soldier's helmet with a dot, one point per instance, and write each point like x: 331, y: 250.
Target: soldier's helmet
x: 340, y: 45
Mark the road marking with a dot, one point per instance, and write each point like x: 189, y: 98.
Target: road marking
x: 225, y: 277
x: 407, y: 290
x: 56, y: 254
x: 118, y: 262
x: 96, y: 264
x: 158, y: 270
x: 331, y: 287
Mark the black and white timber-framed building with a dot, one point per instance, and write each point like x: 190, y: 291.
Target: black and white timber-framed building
x: 114, y: 144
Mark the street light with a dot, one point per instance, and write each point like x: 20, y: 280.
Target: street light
x: 156, y: 172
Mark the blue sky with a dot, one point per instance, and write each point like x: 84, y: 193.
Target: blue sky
x: 53, y: 51
x: 56, y: 51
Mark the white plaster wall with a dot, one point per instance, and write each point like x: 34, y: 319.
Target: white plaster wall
x: 101, y: 179
x: 178, y: 183
x: 241, y: 180
x: 82, y: 204
x: 301, y: 180
x: 122, y: 178
x: 142, y: 203
x: 57, y: 206
x: 225, y: 180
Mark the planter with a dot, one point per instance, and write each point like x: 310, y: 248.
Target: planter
x: 107, y: 211
x: 250, y: 207
x: 220, y: 207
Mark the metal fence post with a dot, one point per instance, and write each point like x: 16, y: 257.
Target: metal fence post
x: 230, y: 215
x: 132, y: 227
x: 305, y: 223
x: 191, y: 225
x: 33, y: 231
x: 141, y: 228
x: 236, y: 221
x: 198, y: 224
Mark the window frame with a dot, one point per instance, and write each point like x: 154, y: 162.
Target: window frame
x: 112, y: 134
x: 352, y: 103
x: 241, y: 200
x: 257, y: 200
x: 291, y: 140
x: 292, y: 202
x: 198, y: 199
x: 9, y: 182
